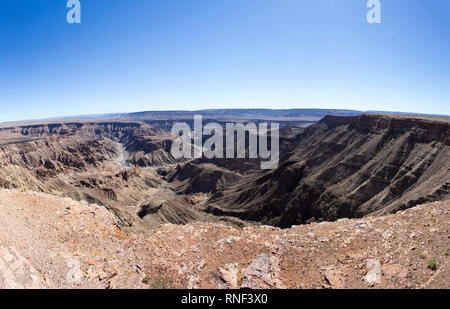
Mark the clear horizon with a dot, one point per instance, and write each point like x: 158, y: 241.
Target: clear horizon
x: 146, y: 55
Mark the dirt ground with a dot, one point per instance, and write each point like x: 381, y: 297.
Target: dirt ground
x: 52, y: 242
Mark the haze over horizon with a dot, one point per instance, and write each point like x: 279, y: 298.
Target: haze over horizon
x: 177, y: 55
x: 325, y: 112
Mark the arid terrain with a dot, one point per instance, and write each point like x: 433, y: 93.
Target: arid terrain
x: 358, y: 200
x: 52, y: 242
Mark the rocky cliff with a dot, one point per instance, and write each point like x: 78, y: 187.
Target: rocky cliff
x: 348, y: 167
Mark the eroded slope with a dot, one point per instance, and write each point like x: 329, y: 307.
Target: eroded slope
x: 348, y: 167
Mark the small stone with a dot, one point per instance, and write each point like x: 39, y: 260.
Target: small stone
x: 373, y: 275
x: 403, y: 274
x: 392, y: 269
x: 335, y: 278
x: 227, y: 277
x: 8, y: 258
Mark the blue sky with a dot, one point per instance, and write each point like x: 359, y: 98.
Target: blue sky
x: 140, y: 55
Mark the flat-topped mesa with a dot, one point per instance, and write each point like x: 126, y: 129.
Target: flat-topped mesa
x: 422, y: 128
x: 72, y: 128
x: 334, y: 121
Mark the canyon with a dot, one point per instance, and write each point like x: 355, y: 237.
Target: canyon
x: 115, y: 176
x: 339, y: 167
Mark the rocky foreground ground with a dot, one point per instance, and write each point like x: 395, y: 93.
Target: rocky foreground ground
x: 52, y: 242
